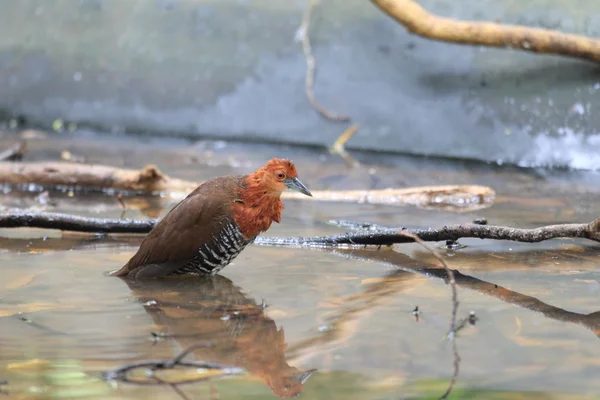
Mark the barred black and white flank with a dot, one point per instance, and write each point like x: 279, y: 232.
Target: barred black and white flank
x: 215, y: 255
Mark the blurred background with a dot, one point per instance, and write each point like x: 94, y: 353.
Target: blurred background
x: 233, y: 69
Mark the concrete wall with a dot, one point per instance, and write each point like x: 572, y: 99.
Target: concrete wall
x: 231, y: 68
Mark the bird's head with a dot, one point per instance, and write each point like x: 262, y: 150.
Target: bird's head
x: 259, y: 202
x: 279, y: 174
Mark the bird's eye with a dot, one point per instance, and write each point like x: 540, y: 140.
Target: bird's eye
x: 280, y: 176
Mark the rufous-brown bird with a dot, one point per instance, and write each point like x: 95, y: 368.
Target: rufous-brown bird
x: 214, y: 223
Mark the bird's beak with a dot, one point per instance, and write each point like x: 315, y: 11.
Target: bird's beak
x: 303, y: 376
x: 295, y: 184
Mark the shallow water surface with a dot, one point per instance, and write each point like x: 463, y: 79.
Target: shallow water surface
x: 276, y: 314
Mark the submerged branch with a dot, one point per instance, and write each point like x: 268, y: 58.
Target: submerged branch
x: 406, y: 264
x: 149, y: 377
x: 420, y: 22
x: 150, y: 180
x: 452, y: 332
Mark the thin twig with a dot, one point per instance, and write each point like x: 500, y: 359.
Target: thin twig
x: 179, y: 391
x: 339, y: 146
x: 471, y: 320
x: 356, y: 226
x: 15, y: 152
x: 122, y: 204
x: 172, y: 385
x: 120, y: 200
x: 302, y: 35
x: 184, y: 354
x: 39, y: 326
x: 120, y: 374
x: 452, y: 332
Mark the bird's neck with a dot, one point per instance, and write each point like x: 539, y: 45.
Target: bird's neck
x: 257, y: 208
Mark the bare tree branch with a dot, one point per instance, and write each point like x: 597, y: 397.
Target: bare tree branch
x: 420, y: 22
x: 591, y: 231
x: 383, y: 237
x: 65, y: 222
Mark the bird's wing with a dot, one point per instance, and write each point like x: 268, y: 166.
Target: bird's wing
x: 176, y: 238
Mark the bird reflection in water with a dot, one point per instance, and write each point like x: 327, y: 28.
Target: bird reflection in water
x: 212, y: 309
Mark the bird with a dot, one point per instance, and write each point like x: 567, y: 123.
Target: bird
x: 204, y: 232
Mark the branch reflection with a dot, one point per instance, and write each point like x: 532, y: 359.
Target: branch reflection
x: 406, y: 264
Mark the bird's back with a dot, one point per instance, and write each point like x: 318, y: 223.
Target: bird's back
x: 198, y: 235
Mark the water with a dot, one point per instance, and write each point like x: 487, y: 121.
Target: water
x: 347, y: 313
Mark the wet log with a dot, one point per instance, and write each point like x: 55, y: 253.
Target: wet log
x: 75, y: 175
x: 420, y: 22
x: 151, y: 181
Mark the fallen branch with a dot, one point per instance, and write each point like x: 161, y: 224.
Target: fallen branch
x: 449, y: 198
x: 591, y: 231
x: 65, y: 222
x: 150, y: 180
x: 302, y: 35
x: 65, y: 174
x: 420, y: 22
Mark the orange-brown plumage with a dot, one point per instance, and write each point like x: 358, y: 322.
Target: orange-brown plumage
x: 214, y: 223
x: 261, y: 203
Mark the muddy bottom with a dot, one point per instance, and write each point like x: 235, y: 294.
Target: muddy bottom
x: 276, y: 314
